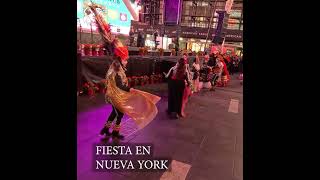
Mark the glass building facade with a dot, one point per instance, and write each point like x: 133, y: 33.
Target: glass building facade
x: 198, y: 13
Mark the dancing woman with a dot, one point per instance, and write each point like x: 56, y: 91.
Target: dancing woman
x: 116, y: 76
x: 217, y: 72
x: 225, y: 76
x: 241, y: 71
x: 206, y: 73
x: 138, y: 105
x: 178, y: 78
x: 187, y: 92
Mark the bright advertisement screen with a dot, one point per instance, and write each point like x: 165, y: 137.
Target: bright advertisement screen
x: 116, y: 14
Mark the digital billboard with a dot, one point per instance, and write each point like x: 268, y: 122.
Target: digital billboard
x: 172, y: 11
x: 116, y: 14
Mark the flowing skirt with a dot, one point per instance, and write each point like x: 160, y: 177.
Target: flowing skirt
x: 175, y: 95
x: 196, y: 86
x: 139, y: 105
x: 186, y: 94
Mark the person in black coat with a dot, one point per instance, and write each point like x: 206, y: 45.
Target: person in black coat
x: 233, y: 64
x: 79, y: 73
x: 211, y: 64
x: 241, y: 65
x: 212, y: 61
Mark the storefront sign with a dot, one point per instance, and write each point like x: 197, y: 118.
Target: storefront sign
x: 187, y: 32
x: 234, y: 35
x: 201, y: 33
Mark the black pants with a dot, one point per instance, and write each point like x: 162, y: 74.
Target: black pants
x: 232, y: 70
x: 115, y: 114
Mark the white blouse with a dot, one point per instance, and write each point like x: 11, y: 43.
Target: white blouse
x: 196, y: 66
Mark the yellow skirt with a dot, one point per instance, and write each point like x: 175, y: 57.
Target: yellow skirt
x: 139, y: 105
x: 224, y: 78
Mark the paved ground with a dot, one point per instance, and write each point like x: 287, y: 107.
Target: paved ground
x: 206, y: 145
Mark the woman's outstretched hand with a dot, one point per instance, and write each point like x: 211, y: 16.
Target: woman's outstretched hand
x: 165, y: 75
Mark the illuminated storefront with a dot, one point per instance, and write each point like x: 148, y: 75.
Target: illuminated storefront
x: 193, y: 44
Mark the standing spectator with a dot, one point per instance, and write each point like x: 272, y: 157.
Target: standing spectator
x: 241, y: 66
x: 206, y: 57
x: 79, y: 73
x: 139, y: 40
x: 196, y: 74
x: 241, y: 70
x: 233, y: 65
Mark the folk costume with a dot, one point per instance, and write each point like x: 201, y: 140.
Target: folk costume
x: 178, y: 83
x: 138, y: 105
x: 225, y: 76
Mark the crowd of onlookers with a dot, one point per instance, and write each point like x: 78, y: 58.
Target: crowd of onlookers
x: 234, y: 64
x: 185, y: 78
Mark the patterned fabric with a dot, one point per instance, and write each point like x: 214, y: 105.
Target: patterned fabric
x: 224, y: 78
x: 138, y: 105
x: 116, y: 127
x: 108, y: 124
x: 205, y: 75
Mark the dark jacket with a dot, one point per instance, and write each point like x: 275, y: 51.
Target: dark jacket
x: 79, y: 72
x: 120, y: 84
x: 212, y: 62
x: 241, y: 66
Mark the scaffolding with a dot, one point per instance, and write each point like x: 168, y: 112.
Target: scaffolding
x: 151, y: 12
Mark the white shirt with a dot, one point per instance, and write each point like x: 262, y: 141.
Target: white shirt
x: 220, y: 65
x: 196, y: 66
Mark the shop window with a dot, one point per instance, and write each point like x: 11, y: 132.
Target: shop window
x: 233, y: 26
x: 235, y: 14
x: 214, y: 25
